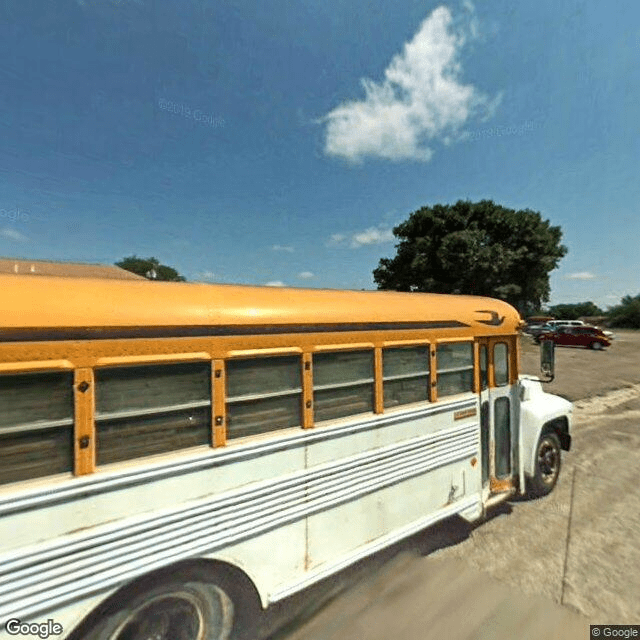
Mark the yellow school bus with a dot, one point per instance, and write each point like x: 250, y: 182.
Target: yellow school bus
x: 172, y: 453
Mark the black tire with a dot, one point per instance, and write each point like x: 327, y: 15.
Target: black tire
x: 547, y: 465
x: 173, y: 609
x: 597, y: 345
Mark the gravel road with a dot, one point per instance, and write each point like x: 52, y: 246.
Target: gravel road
x: 543, y: 568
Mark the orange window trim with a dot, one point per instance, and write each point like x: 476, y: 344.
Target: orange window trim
x: 219, y: 412
x: 307, y: 391
x: 85, y: 430
x: 433, y: 374
x: 476, y: 367
x: 151, y: 359
x: 378, y: 386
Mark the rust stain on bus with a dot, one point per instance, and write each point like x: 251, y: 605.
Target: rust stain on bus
x: 499, y: 485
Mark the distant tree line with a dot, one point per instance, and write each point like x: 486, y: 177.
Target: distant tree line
x: 575, y: 311
x: 625, y: 315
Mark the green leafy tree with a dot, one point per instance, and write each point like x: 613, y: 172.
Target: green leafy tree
x: 575, y: 311
x: 477, y: 249
x: 150, y: 268
x: 626, y: 314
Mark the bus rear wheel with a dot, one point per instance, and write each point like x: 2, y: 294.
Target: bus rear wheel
x: 173, y: 610
x: 547, y: 465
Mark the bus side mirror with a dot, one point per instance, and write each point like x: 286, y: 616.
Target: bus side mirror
x: 547, y: 359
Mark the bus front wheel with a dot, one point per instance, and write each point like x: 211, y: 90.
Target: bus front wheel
x: 172, y: 610
x: 547, y: 464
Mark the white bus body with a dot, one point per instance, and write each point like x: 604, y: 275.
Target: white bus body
x: 287, y: 512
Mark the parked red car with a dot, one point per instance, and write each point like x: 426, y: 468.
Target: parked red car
x: 578, y: 337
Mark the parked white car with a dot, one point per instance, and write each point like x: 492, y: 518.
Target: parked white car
x: 576, y: 323
x: 566, y: 323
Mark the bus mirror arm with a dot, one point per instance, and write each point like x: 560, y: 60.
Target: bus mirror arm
x: 549, y: 378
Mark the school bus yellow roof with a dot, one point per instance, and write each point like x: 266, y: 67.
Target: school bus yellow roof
x: 56, y: 303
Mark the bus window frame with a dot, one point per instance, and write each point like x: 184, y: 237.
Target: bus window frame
x: 434, y: 381
x: 220, y: 419
x: 401, y: 344
x: 345, y: 347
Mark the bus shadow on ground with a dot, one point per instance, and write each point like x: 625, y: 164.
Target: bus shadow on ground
x: 282, y: 619
x: 454, y: 530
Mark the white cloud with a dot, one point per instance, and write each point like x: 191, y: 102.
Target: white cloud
x: 306, y: 275
x: 12, y: 234
x: 278, y: 247
x: 205, y: 275
x: 420, y: 99
x: 275, y: 283
x: 473, y: 25
x: 373, y: 235
x: 582, y: 275
x: 336, y: 238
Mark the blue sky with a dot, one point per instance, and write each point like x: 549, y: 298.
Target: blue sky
x: 280, y: 142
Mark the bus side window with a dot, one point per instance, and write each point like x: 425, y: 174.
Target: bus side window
x: 263, y: 394
x: 36, y: 425
x: 405, y: 375
x: 501, y: 364
x: 343, y: 384
x: 151, y: 409
x: 455, y: 368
